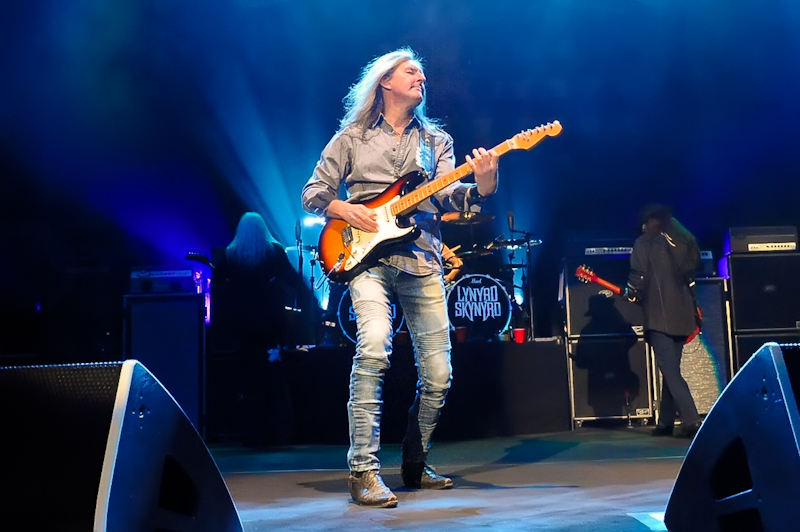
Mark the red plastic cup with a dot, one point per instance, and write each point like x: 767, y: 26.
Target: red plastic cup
x: 461, y: 334
x: 519, y: 336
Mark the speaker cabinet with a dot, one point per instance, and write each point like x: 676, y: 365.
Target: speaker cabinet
x: 705, y: 363
x: 765, y: 291
x: 748, y: 344
x: 609, y: 378
x: 104, y: 447
x: 741, y: 470
x: 167, y: 334
x: 592, y: 310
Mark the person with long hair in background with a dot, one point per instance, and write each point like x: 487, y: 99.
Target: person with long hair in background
x: 254, y: 278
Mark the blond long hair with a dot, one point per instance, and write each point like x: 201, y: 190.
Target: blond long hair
x: 364, y: 101
x: 252, y: 242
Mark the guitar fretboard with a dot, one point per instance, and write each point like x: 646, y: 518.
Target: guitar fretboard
x: 417, y: 196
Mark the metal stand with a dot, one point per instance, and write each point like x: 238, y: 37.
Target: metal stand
x: 527, y: 275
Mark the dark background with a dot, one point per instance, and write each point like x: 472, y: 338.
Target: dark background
x: 134, y: 131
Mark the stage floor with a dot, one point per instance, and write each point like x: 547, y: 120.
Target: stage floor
x: 596, y: 479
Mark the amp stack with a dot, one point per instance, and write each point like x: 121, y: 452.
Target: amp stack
x: 762, y: 264
x: 610, y: 374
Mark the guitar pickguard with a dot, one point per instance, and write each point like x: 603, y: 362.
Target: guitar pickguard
x: 362, y: 244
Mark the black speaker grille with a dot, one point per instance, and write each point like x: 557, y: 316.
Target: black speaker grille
x: 765, y: 291
x: 55, y: 427
x: 592, y: 310
x: 610, y: 378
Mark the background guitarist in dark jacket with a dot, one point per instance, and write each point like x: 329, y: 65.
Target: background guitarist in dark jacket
x: 663, y: 263
x: 384, y: 135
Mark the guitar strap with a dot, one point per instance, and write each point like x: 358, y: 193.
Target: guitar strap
x: 425, y: 158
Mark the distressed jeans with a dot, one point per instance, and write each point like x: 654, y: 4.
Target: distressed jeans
x: 422, y: 299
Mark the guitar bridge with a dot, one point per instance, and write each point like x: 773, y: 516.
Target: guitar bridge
x: 347, y: 236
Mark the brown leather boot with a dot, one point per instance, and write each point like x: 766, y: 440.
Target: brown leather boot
x: 421, y: 476
x: 367, y: 489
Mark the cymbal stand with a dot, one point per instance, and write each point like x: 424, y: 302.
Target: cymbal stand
x: 298, y: 236
x: 527, y: 283
x: 527, y: 275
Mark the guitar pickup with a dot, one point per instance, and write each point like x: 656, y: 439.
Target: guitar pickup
x: 347, y: 236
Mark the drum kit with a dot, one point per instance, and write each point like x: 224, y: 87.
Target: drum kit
x: 484, y: 278
x: 480, y: 279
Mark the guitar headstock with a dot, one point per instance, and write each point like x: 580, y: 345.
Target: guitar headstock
x: 585, y: 274
x: 529, y: 138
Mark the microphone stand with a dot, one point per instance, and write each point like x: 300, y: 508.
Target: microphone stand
x: 529, y: 274
x: 298, y: 236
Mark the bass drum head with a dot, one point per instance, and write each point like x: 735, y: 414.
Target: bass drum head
x: 347, y: 317
x: 481, y: 304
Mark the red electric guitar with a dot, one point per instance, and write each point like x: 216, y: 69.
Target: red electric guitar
x: 345, y: 251
x: 585, y: 274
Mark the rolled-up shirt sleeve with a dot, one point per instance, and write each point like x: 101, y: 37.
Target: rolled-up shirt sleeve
x: 329, y: 173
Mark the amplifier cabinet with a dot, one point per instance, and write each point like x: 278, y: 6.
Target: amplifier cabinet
x: 707, y: 360
x: 748, y: 344
x: 715, y: 342
x: 166, y: 333
x: 592, y: 310
x: 610, y: 378
x: 765, y: 291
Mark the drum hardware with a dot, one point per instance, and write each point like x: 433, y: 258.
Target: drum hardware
x: 527, y: 242
x: 466, y: 218
x: 513, y: 266
x: 301, y: 248
x: 480, y: 252
x: 517, y: 243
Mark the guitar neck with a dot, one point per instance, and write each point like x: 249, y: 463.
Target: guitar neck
x: 417, y: 196
x: 605, y: 284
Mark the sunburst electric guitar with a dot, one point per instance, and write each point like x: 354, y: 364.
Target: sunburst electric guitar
x: 345, y: 251
x: 585, y: 274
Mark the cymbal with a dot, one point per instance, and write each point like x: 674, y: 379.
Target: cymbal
x: 465, y: 218
x: 304, y: 247
x: 517, y: 242
x: 482, y: 252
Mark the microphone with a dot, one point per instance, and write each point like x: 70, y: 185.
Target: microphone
x: 298, y: 232
x: 511, y: 221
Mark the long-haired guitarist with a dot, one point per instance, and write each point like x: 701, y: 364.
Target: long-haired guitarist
x: 384, y: 136
x: 663, y: 263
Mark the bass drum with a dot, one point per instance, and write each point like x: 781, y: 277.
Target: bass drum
x: 481, y: 304
x: 347, y: 317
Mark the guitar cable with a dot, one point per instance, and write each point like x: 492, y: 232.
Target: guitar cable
x: 326, y: 275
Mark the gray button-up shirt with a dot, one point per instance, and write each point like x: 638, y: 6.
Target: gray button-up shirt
x: 369, y: 161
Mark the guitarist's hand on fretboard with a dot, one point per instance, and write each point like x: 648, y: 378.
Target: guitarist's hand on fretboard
x: 484, y: 167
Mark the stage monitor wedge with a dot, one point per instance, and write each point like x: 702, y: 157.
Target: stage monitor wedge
x: 741, y: 470
x: 104, y: 447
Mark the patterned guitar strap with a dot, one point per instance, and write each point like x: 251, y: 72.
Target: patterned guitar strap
x: 425, y: 153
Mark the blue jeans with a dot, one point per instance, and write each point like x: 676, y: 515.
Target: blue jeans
x: 424, y: 307
x: 675, y: 393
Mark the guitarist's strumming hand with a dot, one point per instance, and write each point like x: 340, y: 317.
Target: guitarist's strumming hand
x: 484, y: 166
x: 357, y: 215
